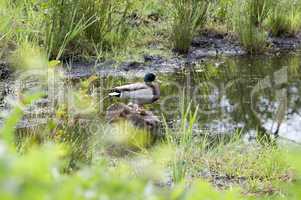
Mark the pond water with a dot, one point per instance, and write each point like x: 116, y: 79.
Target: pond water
x: 247, y: 94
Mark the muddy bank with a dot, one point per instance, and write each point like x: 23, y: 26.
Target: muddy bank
x: 203, y: 47
x: 5, y: 74
x: 206, y: 46
x: 5, y: 70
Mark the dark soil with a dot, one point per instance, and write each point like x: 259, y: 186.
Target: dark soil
x: 5, y: 71
x: 285, y: 44
x: 206, y: 46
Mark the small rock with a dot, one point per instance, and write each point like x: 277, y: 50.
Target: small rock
x: 4, y: 71
x: 141, y: 119
x: 152, y: 58
x: 131, y: 65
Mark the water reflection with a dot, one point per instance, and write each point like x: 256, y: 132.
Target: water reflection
x: 256, y: 94
x: 253, y: 94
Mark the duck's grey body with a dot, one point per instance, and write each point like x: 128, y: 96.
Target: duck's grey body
x: 138, y: 93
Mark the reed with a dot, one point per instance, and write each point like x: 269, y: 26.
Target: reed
x: 188, y: 17
x: 65, y: 28
x: 248, y: 21
x: 285, y: 18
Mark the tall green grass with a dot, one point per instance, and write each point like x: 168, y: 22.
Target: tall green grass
x: 104, y: 28
x: 188, y: 17
x: 260, y: 168
x: 248, y: 18
x: 227, y: 161
x: 181, y: 139
x: 111, y: 28
x: 253, y: 20
x: 64, y: 24
x: 285, y: 18
x: 65, y: 27
x: 219, y: 11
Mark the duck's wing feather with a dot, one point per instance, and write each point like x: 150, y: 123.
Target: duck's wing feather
x: 156, y: 91
x: 130, y: 87
x: 138, y: 93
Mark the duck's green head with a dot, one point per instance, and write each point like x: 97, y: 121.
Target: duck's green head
x: 149, y: 77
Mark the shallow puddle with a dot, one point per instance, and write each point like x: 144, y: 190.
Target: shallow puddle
x: 248, y: 94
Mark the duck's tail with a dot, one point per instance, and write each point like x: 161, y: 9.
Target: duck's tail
x: 114, y: 94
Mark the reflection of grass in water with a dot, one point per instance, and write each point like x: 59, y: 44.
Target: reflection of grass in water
x: 294, y: 66
x: 260, y: 168
x: 183, y: 156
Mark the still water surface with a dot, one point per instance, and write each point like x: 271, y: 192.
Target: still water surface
x: 249, y: 94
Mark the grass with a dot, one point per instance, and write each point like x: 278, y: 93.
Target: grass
x: 67, y: 28
x: 184, y: 156
x: 285, y: 18
x: 255, y: 169
x: 192, y: 161
x: 188, y: 17
x: 182, y: 142
x: 253, y: 20
x: 259, y: 170
x: 101, y: 29
x: 248, y: 24
x: 41, y: 165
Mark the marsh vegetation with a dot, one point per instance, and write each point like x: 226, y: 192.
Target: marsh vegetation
x: 229, y: 125
x: 106, y: 28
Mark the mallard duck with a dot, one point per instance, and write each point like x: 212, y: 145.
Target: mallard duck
x: 139, y: 93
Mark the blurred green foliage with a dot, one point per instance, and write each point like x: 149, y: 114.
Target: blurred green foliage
x: 69, y: 165
x: 37, y: 175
